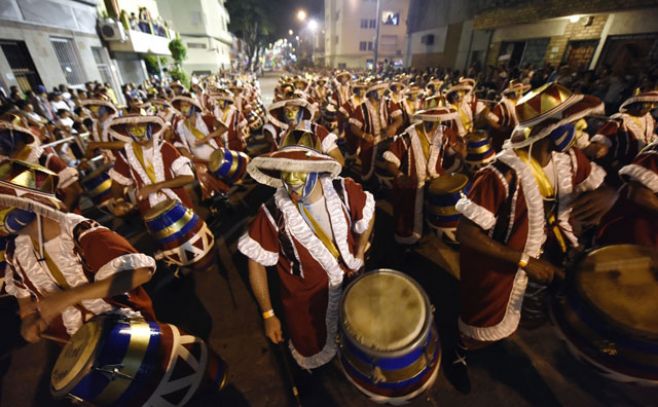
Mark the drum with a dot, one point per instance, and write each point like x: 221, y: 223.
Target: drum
x: 228, y: 165
x: 255, y: 122
x: 131, y: 362
x: 389, y: 347
x: 381, y: 165
x: 607, y: 313
x: 184, y: 237
x: 479, y: 151
x: 98, y: 185
x: 442, y: 196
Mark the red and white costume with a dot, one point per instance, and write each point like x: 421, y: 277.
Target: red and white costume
x: 513, y: 214
x: 420, y: 158
x: 504, y: 114
x: 84, y: 252
x: 373, y: 121
x: 234, y: 137
x: 627, y: 222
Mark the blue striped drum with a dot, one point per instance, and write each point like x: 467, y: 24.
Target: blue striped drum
x: 98, y: 186
x: 228, y: 165
x: 607, y: 313
x: 479, y: 151
x: 389, y: 346
x: 183, y: 236
x: 441, y: 198
x: 116, y: 361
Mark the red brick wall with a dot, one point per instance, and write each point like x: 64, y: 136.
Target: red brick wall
x: 574, y: 32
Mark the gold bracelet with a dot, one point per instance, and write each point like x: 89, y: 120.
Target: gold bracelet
x: 268, y: 314
x: 523, y: 261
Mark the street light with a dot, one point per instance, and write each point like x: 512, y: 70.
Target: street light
x: 301, y: 15
x: 290, y: 32
x: 313, y: 25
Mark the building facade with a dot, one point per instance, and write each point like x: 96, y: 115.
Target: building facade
x: 203, y: 27
x: 51, y: 42
x: 350, y: 31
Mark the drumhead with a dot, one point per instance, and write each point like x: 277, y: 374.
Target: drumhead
x: 446, y: 184
x: 159, y: 209
x: 76, y: 358
x: 621, y: 281
x: 384, y: 310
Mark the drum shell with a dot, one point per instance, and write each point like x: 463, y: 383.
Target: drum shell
x: 397, y: 374
x: 440, y: 210
x: 176, y: 226
x: 616, y: 351
x: 228, y: 165
x: 98, y: 185
x: 479, y: 153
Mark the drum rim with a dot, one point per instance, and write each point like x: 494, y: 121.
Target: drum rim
x: 600, y: 312
x: 416, y: 342
x: 87, y: 366
x: 451, y: 190
x: 162, y: 207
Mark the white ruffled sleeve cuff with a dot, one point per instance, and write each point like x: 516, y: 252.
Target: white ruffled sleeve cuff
x: 66, y: 177
x: 182, y: 166
x: 329, y: 143
x: 391, y: 158
x: 252, y: 249
x: 476, y: 213
x: 642, y: 175
x: 594, y: 179
x: 120, y: 179
x: 130, y: 261
x: 601, y: 139
x: 368, y: 212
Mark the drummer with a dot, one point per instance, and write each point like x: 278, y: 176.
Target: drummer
x: 232, y: 122
x: 416, y: 157
x: 64, y: 268
x: 315, y: 232
x: 518, y: 208
x: 374, y: 121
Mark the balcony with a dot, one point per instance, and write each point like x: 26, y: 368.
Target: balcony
x: 136, y: 40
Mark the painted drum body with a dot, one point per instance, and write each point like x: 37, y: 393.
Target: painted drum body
x: 116, y: 361
x: 389, y: 346
x: 442, y: 196
x: 228, y: 165
x: 479, y: 151
x: 98, y: 185
x: 607, y: 313
x: 183, y: 236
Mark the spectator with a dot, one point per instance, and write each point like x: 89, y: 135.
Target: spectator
x: 57, y: 102
x: 41, y: 104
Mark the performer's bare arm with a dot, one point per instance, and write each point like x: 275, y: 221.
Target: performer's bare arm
x: 356, y: 130
x: 337, y: 155
x: 392, y: 129
x: 36, y: 317
x: 260, y: 287
x: 472, y: 236
x: 364, y: 240
x: 590, y: 206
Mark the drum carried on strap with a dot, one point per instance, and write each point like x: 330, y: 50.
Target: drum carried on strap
x: 113, y: 361
x: 228, y: 165
x: 607, y: 315
x: 441, y: 198
x: 389, y: 346
x: 184, y: 237
x: 98, y: 185
x: 479, y: 151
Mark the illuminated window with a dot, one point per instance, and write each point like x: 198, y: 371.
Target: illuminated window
x: 390, y: 18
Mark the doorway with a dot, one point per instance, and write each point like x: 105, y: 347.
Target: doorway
x: 21, y: 64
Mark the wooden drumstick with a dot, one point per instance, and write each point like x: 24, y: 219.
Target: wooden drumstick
x: 288, y: 371
x: 54, y: 339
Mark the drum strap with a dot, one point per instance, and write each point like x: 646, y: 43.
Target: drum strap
x: 500, y: 233
x: 52, y: 267
x: 148, y: 167
x: 326, y: 240
x: 195, y: 132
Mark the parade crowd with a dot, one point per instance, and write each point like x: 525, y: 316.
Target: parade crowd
x: 522, y: 172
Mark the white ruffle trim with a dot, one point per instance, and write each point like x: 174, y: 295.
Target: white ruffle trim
x: 182, y: 166
x: 120, y: 179
x: 476, y: 213
x: 66, y: 177
x: 252, y: 249
x: 642, y: 175
x: 565, y: 166
x: 329, y: 349
x: 601, y: 139
x: 329, y: 143
x: 131, y: 261
x: 361, y: 225
x: 594, y: 179
x: 391, y: 158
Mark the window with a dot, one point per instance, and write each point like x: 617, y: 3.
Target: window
x: 103, y: 68
x: 391, y: 18
x: 364, y: 23
x: 68, y: 60
x: 372, y: 23
x: 362, y: 45
x: 198, y: 45
x: 370, y: 46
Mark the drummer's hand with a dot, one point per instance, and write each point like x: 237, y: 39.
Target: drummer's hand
x: 32, y: 326
x: 145, y: 191
x: 542, y: 271
x: 590, y: 207
x: 273, y: 329
x: 53, y: 305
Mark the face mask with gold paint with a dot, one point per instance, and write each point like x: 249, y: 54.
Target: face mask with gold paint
x: 186, y: 109
x: 141, y: 132
x: 299, y: 184
x: 292, y: 114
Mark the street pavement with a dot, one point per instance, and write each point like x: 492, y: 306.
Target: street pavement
x: 533, y: 368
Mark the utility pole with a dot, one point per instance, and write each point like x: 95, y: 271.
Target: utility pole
x: 377, y: 23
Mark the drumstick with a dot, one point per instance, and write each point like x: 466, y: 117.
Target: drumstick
x: 53, y: 339
x: 288, y: 372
